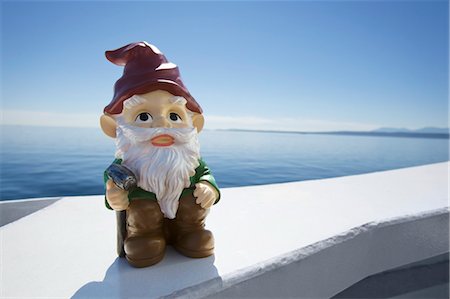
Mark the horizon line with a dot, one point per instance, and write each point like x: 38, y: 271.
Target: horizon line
x: 213, y: 122
x: 411, y: 132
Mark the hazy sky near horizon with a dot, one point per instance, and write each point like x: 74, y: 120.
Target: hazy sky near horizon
x: 295, y: 65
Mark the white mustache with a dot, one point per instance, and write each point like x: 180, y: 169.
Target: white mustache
x: 138, y: 135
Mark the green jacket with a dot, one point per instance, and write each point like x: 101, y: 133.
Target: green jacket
x: 202, y: 173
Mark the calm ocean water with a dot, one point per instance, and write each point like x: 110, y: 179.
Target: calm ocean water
x: 44, y: 162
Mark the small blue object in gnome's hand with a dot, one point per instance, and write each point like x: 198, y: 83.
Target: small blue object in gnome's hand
x: 159, y: 186
x: 122, y: 177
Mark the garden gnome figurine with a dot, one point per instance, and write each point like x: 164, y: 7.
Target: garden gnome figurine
x: 155, y: 122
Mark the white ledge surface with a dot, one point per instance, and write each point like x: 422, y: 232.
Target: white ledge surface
x: 311, y: 230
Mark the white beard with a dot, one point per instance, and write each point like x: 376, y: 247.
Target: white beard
x: 165, y: 171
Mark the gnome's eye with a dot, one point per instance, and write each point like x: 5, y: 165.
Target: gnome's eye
x: 175, y: 117
x: 144, y: 117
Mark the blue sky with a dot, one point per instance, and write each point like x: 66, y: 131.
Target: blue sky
x: 327, y: 65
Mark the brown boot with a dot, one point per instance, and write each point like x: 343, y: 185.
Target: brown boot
x: 188, y: 230
x: 145, y: 244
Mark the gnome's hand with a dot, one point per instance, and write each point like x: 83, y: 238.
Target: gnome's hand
x: 206, y: 194
x: 116, y: 197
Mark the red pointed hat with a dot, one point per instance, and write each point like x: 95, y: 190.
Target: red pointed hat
x: 146, y: 69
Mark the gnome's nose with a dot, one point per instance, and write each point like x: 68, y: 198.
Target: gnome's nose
x: 161, y: 122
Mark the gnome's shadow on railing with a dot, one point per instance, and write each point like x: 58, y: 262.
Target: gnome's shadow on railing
x: 174, y: 273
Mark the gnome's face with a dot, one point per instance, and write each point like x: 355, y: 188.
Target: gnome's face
x: 157, y: 138
x: 152, y: 110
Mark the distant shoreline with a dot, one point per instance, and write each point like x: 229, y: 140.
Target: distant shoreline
x: 351, y: 133
x: 410, y: 134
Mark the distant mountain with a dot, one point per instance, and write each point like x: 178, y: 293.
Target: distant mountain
x: 392, y: 130
x: 382, y: 132
x: 433, y: 130
x: 427, y: 130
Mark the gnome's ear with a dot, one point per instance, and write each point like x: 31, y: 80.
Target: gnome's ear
x: 108, y: 125
x: 198, y: 121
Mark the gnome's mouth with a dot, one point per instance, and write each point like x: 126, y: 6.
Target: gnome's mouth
x: 162, y: 140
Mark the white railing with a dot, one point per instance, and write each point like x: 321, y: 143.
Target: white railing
x: 302, y: 239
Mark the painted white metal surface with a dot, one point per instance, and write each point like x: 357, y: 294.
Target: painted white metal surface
x: 68, y: 249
